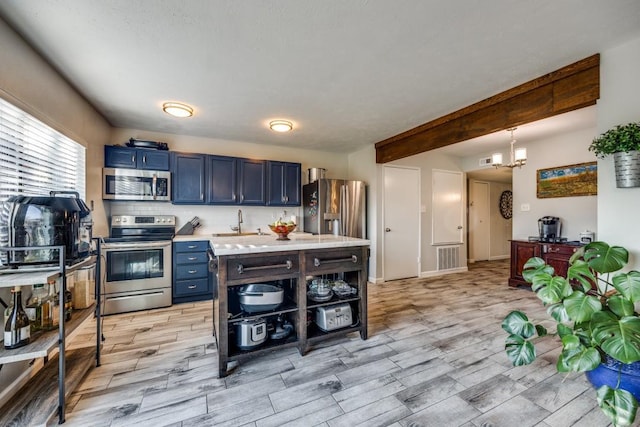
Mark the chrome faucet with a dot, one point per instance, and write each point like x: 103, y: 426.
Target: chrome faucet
x: 238, y: 228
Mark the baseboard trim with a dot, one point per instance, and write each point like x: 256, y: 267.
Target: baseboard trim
x: 499, y: 257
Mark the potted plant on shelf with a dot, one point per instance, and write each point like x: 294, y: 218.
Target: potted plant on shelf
x: 623, y: 141
x: 595, y: 320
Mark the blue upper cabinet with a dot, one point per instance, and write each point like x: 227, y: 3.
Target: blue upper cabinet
x: 189, y: 178
x: 251, y: 182
x: 222, y: 180
x: 236, y: 181
x: 283, y: 184
x: 135, y: 158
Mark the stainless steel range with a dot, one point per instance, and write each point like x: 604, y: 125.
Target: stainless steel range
x: 136, y: 261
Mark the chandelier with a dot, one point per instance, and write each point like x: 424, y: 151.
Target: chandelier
x: 518, y: 156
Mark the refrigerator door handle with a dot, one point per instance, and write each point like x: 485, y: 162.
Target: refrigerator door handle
x: 344, y: 196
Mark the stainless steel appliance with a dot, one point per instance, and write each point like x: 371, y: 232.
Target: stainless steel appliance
x: 333, y: 317
x: 335, y: 206
x: 549, y: 228
x: 136, y: 184
x: 258, y: 297
x: 136, y: 261
x: 250, y: 333
x: 46, y: 221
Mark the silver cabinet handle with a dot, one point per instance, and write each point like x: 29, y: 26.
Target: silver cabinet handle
x: 133, y: 158
x: 192, y: 286
x: 144, y: 160
x: 192, y: 246
x: 317, y: 261
x: 288, y: 265
x: 192, y: 271
x: 192, y: 258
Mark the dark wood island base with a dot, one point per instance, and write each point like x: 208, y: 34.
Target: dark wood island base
x: 291, y: 270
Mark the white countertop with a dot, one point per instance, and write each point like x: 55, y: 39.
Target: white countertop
x: 237, y: 245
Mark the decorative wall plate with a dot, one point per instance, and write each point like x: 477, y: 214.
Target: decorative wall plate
x: 506, y: 204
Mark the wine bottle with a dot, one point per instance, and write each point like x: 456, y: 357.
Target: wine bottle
x: 34, y: 307
x: 17, y: 331
x: 54, y: 306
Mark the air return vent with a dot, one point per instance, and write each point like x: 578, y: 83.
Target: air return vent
x: 485, y: 162
x: 448, y: 257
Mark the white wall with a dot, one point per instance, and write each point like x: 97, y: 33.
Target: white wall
x: 500, y: 227
x: 576, y: 213
x: 220, y: 218
x: 427, y: 162
x: 363, y: 167
x: 619, y: 104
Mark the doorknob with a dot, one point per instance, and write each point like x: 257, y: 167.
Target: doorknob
x: 387, y: 230
x: 459, y: 227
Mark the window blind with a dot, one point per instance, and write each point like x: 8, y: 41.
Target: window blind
x: 36, y: 159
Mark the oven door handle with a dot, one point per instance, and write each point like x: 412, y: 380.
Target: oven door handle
x: 136, y: 245
x: 134, y: 296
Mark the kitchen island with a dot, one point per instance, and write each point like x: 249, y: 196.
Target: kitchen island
x: 296, y: 266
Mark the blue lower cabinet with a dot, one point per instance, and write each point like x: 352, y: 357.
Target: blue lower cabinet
x: 191, y: 278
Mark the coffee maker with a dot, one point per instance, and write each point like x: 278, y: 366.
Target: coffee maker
x: 549, y: 228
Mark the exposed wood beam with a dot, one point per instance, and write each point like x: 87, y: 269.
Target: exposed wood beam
x: 569, y: 88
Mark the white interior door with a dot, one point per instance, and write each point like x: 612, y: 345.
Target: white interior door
x: 447, y: 210
x: 401, y: 241
x: 479, y: 221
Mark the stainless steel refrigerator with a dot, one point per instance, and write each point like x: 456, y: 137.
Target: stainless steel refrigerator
x: 335, y: 206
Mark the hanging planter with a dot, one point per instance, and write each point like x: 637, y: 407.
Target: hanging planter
x: 623, y: 141
x: 627, y: 169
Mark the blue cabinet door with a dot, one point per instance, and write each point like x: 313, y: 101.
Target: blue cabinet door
x: 222, y: 180
x: 251, y: 181
x: 135, y: 158
x: 188, y: 178
x: 283, y: 184
x: 292, y: 184
x: 156, y: 160
x: 120, y: 157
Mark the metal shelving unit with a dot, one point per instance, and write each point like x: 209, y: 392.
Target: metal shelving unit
x: 43, y: 344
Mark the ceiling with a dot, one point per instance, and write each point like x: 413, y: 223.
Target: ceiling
x: 346, y: 73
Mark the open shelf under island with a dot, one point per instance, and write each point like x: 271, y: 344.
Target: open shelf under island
x: 292, y: 265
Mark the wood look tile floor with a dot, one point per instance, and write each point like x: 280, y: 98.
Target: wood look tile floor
x: 434, y: 357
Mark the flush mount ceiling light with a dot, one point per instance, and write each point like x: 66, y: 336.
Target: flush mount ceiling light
x: 281, y: 125
x: 177, y: 109
x: 518, y: 156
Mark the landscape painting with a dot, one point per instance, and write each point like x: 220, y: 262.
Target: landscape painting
x: 568, y: 181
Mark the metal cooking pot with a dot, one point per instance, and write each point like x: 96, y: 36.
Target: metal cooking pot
x: 258, y: 297
x: 250, y: 333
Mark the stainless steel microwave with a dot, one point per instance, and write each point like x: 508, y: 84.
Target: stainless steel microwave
x: 136, y: 184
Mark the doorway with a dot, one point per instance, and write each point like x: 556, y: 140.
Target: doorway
x: 401, y: 223
x: 479, y: 223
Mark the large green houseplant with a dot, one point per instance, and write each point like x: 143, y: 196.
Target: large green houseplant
x: 623, y: 142
x: 592, y: 322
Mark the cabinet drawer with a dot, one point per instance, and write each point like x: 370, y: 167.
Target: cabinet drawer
x: 551, y: 248
x: 191, y: 271
x: 191, y: 287
x: 191, y: 257
x: 196, y: 246
x: 262, y: 266
x: 349, y: 259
